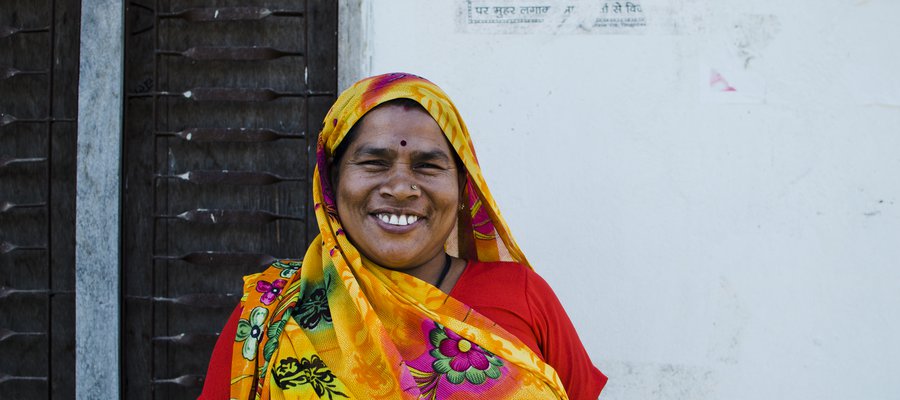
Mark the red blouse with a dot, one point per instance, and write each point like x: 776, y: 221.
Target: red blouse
x: 511, y: 295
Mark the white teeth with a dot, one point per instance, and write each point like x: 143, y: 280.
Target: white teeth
x: 399, y: 220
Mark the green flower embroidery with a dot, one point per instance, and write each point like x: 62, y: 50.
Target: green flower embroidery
x: 460, y: 359
x: 273, y: 333
x: 288, y: 267
x: 249, y: 331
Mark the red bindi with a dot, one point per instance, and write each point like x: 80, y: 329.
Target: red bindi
x: 403, y: 143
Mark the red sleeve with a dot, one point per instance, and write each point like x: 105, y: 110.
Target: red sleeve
x: 559, y: 342
x: 217, y: 385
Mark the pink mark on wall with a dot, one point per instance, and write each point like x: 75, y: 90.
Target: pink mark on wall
x: 718, y: 83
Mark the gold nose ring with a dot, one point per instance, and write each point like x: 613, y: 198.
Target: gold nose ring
x: 415, y: 187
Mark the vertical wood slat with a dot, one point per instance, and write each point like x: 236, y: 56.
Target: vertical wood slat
x: 322, y: 72
x: 67, y: 22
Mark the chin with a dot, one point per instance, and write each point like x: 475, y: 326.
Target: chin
x: 396, y: 262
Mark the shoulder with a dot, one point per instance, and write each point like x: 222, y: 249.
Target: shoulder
x: 286, y: 268
x: 282, y: 268
x: 483, y: 278
x: 509, y: 284
x: 506, y: 273
x: 506, y: 269
x: 277, y: 273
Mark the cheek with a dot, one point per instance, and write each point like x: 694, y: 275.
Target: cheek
x: 348, y: 194
x: 448, y: 200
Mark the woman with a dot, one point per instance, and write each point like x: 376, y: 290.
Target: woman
x: 405, y: 293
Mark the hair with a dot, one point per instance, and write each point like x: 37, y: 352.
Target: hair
x: 407, y: 104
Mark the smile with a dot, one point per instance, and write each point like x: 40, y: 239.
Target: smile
x: 398, y: 220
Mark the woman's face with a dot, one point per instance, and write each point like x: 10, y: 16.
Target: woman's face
x: 398, y: 187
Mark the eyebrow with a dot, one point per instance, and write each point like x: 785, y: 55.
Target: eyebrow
x: 437, y: 155
x: 374, y: 151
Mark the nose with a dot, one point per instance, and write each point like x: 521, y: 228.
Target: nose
x: 400, y: 184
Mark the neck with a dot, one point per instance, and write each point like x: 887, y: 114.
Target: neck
x: 432, y: 270
x: 444, y: 270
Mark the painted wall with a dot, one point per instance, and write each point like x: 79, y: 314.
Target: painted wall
x: 716, y: 199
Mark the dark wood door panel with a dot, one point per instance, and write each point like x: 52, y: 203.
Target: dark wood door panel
x: 38, y: 103
x: 221, y: 119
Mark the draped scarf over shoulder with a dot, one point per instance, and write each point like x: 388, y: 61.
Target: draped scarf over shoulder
x: 340, y: 326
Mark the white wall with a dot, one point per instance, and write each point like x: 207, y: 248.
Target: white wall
x: 708, y: 245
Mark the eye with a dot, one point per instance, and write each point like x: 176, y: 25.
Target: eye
x: 426, y: 165
x: 373, y: 163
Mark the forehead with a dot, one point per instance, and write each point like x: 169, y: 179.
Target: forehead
x: 388, y: 125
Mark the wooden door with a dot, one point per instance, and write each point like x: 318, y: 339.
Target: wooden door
x: 224, y: 101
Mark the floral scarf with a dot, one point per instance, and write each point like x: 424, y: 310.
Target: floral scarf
x: 343, y: 327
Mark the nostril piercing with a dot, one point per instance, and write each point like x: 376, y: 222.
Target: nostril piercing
x: 414, y: 187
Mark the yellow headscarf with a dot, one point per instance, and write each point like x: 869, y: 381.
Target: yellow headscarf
x: 343, y: 327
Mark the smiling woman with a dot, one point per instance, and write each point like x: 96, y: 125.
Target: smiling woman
x: 414, y: 289
x: 399, y: 203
